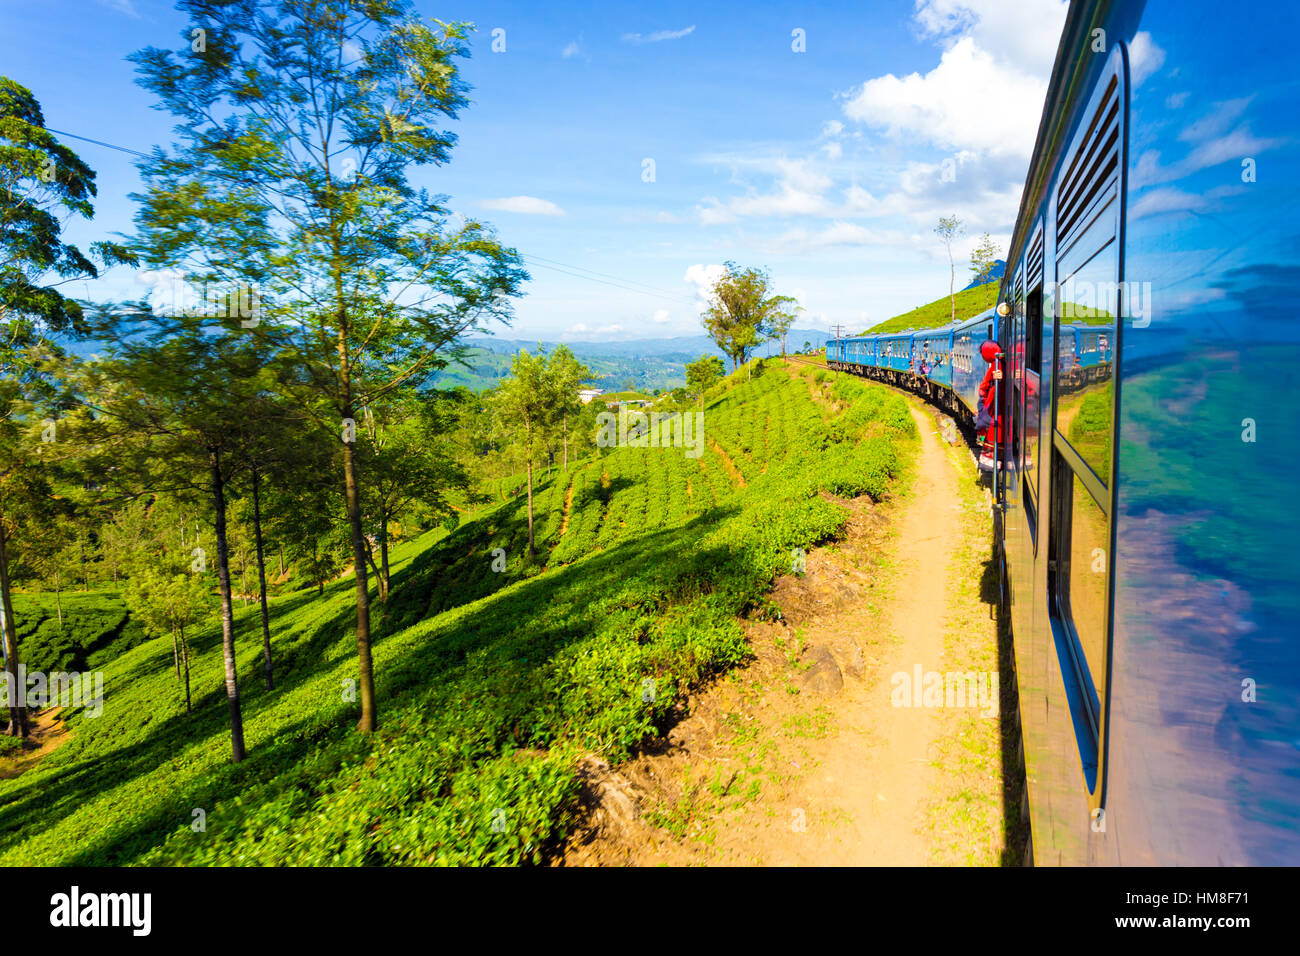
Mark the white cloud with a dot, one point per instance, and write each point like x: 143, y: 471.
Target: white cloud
x: 1022, y: 36
x: 661, y: 316
x: 1144, y: 58
x: 659, y: 35
x: 571, y: 50
x: 968, y: 101
x: 1175, y: 101
x: 838, y: 234
x: 799, y: 191
x: 833, y: 150
x: 1216, y: 122
x: 121, y: 6
x: 1165, y: 201
x: 704, y: 278
x: 525, y: 205
x: 832, y: 128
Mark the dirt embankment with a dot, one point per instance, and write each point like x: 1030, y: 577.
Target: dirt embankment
x: 804, y: 756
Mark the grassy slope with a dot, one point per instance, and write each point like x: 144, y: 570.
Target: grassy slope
x: 491, y: 684
x: 939, y: 312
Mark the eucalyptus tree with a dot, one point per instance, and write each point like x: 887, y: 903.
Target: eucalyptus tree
x: 949, y: 229
x: 299, y: 122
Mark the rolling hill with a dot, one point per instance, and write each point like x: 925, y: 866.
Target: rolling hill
x: 495, y: 678
x: 970, y: 301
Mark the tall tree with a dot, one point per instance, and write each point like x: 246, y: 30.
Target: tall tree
x: 983, y: 260
x: 566, y: 375
x: 783, y: 319
x: 743, y: 311
x: 42, y: 185
x: 949, y: 229
x: 299, y: 122
x: 162, y: 410
x: 523, y: 403
x: 27, y: 503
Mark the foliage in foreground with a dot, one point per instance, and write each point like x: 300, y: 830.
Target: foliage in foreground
x: 491, y: 701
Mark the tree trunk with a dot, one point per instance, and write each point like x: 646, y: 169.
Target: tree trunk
x: 185, y: 653
x: 227, y: 609
x: 383, y: 558
x: 369, y: 719
x: 315, y: 567
x: 261, y: 580
x: 58, y: 604
x: 17, y: 693
x: 528, y: 460
x: 279, y: 545
x: 566, y: 442
x: 176, y: 657
x: 952, y: 284
x: 370, y: 556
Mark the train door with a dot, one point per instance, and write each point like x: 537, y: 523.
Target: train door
x: 1088, y: 270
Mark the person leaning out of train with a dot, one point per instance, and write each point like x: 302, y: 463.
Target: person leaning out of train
x: 986, y: 421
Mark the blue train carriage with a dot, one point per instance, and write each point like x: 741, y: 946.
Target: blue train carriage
x: 932, y: 361
x: 834, y: 351
x: 896, y: 358
x: 968, y: 368
x: 1148, y: 521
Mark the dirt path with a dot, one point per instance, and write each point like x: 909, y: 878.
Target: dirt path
x: 802, y: 757
x: 568, y: 502
x: 47, y: 734
x: 733, y: 472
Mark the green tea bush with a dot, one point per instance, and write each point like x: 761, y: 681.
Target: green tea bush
x: 491, y: 684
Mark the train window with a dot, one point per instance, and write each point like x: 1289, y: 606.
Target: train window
x: 1088, y: 307
x: 1033, y: 369
x: 1085, y: 276
x: 1017, y: 371
x: 1083, y: 592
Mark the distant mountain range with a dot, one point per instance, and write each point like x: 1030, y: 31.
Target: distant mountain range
x: 690, y: 346
x: 642, y: 365
x: 999, y: 267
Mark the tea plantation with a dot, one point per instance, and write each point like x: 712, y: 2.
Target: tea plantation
x: 495, y: 672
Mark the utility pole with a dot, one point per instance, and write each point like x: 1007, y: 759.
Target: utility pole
x: 839, y: 334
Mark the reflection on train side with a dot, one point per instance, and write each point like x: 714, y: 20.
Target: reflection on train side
x: 1085, y: 585
x: 1085, y: 343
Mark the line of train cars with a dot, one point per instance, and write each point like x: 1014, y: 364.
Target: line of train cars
x: 1147, y: 514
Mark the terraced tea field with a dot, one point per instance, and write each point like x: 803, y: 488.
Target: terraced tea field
x: 492, y: 684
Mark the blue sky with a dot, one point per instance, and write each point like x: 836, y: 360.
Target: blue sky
x: 829, y: 166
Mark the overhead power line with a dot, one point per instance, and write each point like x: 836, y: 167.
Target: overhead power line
x: 577, y: 272
x: 618, y: 284
x: 97, y: 142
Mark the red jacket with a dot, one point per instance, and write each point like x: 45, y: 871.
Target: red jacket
x: 987, y: 391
